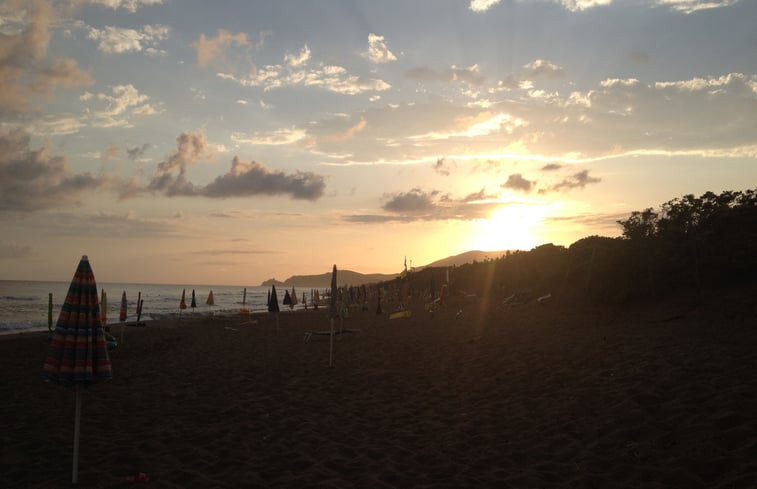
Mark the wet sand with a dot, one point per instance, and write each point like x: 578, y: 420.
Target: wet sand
x: 528, y: 396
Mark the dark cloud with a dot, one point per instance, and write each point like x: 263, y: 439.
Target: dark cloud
x: 137, y: 152
x: 441, y: 167
x: 419, y: 205
x: 170, y: 177
x: 477, y: 196
x: 32, y: 180
x: 578, y: 180
x: 518, y: 183
x: 253, y: 178
x: 373, y: 218
x: 551, y: 167
x: 415, y: 201
x: 244, y: 179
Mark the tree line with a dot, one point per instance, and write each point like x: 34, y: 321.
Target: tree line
x: 689, y: 243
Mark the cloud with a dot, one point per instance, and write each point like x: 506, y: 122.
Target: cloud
x: 415, y: 201
x: 277, y: 137
x: 124, y: 101
x: 246, y: 179
x: 691, y: 6
x: 329, y: 77
x: 113, y: 40
x: 578, y: 180
x: 481, y: 195
x: 137, y: 152
x: 421, y: 205
x: 378, y: 52
x: 31, y: 179
x: 470, y: 75
x: 25, y: 71
x: 551, y: 167
x: 482, y: 5
x: 579, y: 5
x: 295, y: 60
x: 542, y: 67
x: 441, y: 167
x: 518, y: 183
x: 170, y: 177
x: 210, y: 48
x: 130, y: 5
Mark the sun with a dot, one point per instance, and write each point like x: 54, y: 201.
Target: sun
x: 511, y: 227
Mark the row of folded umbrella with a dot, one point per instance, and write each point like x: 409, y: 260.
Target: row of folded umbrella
x: 77, y: 354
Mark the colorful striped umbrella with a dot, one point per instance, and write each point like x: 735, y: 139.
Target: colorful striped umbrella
x: 78, y: 354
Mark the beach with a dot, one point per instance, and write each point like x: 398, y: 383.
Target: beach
x: 472, y: 395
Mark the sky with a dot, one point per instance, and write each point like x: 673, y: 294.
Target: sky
x: 233, y: 141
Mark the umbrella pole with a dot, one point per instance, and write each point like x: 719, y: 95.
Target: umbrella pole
x: 331, y: 343
x: 77, y: 423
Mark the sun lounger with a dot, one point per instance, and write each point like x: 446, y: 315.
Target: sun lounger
x: 309, y: 334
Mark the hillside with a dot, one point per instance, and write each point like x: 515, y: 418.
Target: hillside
x: 324, y: 279
x: 467, y: 257
x: 356, y: 278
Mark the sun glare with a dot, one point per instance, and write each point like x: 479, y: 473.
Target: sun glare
x: 511, y: 227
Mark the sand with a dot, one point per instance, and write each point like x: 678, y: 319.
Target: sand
x: 654, y: 396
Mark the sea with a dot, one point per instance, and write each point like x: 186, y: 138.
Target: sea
x: 24, y: 304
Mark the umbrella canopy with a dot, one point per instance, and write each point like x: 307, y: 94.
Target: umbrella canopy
x: 211, y: 300
x: 194, y: 301
x: 183, y: 303
x: 122, y: 312
x: 244, y: 295
x: 78, y: 354
x: 294, y: 297
x: 287, y: 298
x: 273, y: 302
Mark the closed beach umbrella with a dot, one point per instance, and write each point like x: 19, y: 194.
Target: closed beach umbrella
x: 183, y: 303
x: 244, y: 296
x: 77, y: 355
x: 104, y: 308
x: 273, y: 300
x: 194, y: 302
x: 273, y: 305
x: 332, y: 314
x: 294, y: 298
x: 122, y: 312
x: 287, y: 301
x: 211, y: 300
x: 50, y: 313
